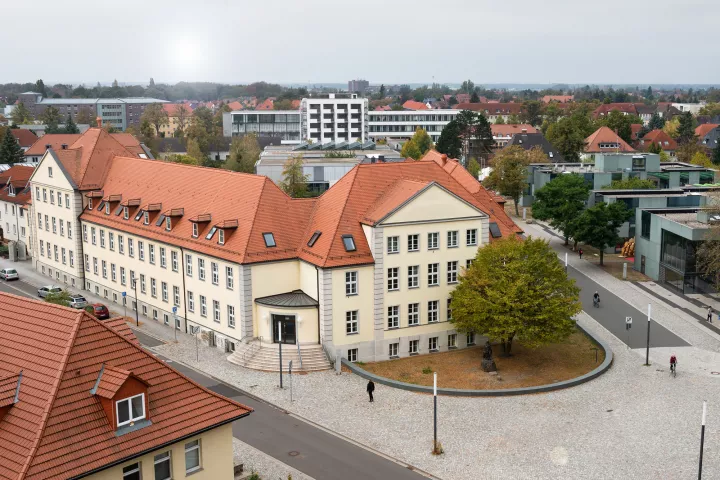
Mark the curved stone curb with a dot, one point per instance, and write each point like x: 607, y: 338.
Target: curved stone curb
x: 599, y: 370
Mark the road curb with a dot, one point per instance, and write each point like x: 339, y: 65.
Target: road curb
x: 596, y: 372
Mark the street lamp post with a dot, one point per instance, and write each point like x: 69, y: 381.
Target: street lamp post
x: 702, y: 439
x: 137, y: 304
x: 435, y: 449
x: 647, y: 346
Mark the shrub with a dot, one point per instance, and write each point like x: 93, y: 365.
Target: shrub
x: 427, y: 370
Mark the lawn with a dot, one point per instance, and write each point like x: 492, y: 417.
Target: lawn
x: 525, y: 368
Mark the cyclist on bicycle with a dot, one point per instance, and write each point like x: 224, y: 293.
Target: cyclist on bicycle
x: 673, y: 362
x: 596, y: 299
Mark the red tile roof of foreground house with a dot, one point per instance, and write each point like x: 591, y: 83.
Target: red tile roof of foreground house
x: 413, y: 105
x: 704, y: 129
x: 606, y: 135
x: 25, y: 138
x: 58, y: 428
x: 512, y: 129
x: 491, y: 108
x: 659, y: 137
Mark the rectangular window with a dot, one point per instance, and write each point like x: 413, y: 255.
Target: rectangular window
x: 413, y: 276
x: 44, y: 195
x: 351, y: 322
x: 470, y: 338
x: 413, y: 243
x: 142, y: 283
x: 102, y: 238
x: 413, y: 314
x: 168, y: 223
x: 122, y: 275
x: 203, y: 306
x: 95, y: 265
x: 131, y: 247
x: 62, y: 228
x: 351, y: 283
x: 645, y: 220
x: 394, y: 316
x: 452, y: 272
x: 85, y: 235
x: 413, y: 347
x: 495, y: 230
x: 393, y: 280
x: 121, y: 245
x: 163, y: 259
x: 433, y: 241
x: 130, y: 409
x: 231, y: 316
x: 452, y: 238
x: 42, y: 248
x: 349, y: 243
x: 188, y: 265
x: 93, y: 236
x: 132, y: 472
x: 352, y: 355
x: 195, y: 230
x: 151, y: 253
x: 126, y: 213
x: 104, y: 269
x: 201, y: 268
x: 141, y: 250
x: 69, y: 229
x: 229, y: 278
x: 449, y: 310
x: 40, y: 221
x: 393, y: 350
x: 176, y: 296
x: 215, y: 273
x: 113, y: 272
x: 63, y: 255
x: 432, y: 311
x: 192, y: 456
x: 164, y: 291
x: 221, y: 236
x: 191, y: 301
x: 52, y: 197
x: 471, y: 237
x: 174, y: 261
x: 47, y: 223
x: 433, y: 273
x: 452, y: 340
x: 153, y: 288
x: 433, y: 344
x: 162, y: 466
x: 146, y: 218
x: 269, y: 240
x: 393, y: 244
x: 72, y: 259
x: 216, y: 311
x: 48, y: 249
x: 67, y: 200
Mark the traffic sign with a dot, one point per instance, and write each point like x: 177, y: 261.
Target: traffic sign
x: 174, y: 309
x: 124, y: 294
x: 628, y: 323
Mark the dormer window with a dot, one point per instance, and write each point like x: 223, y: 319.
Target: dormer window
x: 90, y: 207
x: 146, y: 218
x: 126, y: 213
x: 221, y: 236
x: 11, y: 191
x: 107, y: 208
x: 269, y: 240
x: 130, y: 409
x: 349, y: 243
x: 314, y: 238
x: 211, y: 233
x: 168, y: 223
x: 195, y: 230
x: 138, y: 215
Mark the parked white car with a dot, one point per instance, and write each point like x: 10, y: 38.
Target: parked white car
x: 48, y: 289
x: 9, y: 274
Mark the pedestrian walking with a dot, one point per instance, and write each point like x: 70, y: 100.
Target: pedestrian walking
x: 580, y: 252
x: 710, y: 314
x: 371, y: 389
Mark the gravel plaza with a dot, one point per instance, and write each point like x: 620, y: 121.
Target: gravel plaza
x: 633, y: 422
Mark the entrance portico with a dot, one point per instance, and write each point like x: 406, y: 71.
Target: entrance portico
x: 288, y: 318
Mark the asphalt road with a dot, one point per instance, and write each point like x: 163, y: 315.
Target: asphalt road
x: 307, y: 448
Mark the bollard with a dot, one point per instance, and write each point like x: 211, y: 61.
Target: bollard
x: 624, y: 271
x: 524, y: 214
x: 338, y: 362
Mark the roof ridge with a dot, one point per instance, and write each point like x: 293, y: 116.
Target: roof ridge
x: 342, y: 211
x: 55, y: 387
x: 257, y: 211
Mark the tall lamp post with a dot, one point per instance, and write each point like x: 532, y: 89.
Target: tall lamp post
x: 647, y: 346
x: 137, y: 304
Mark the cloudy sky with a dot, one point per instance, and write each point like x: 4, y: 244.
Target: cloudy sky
x: 388, y: 41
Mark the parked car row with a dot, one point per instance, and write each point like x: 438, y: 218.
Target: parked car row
x: 76, y: 300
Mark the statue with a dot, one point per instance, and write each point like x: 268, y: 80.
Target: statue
x: 488, y: 364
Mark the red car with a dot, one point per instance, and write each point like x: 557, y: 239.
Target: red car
x: 100, y: 311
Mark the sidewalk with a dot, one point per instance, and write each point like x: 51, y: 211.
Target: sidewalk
x: 673, y: 312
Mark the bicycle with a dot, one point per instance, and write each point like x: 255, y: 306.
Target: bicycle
x: 673, y: 369
x: 596, y: 303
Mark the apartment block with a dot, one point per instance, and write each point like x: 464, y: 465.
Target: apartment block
x: 403, y: 124
x: 281, y: 124
x: 335, y: 117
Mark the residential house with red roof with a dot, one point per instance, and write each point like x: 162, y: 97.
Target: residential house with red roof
x: 604, y: 140
x: 659, y: 138
x: 15, y: 207
x: 503, y: 133
x: 645, y: 112
x: 179, y: 116
x: 79, y: 398
x: 492, y: 111
x: 25, y: 138
x: 558, y: 98
x: 708, y: 135
x: 413, y: 105
x: 267, y: 104
x: 380, y: 251
x: 62, y: 141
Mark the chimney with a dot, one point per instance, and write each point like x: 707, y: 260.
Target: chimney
x: 64, y: 146
x: 47, y: 146
x: 443, y: 158
x: 98, y: 120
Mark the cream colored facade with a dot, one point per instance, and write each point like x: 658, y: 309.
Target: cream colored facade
x: 216, y: 459
x: 14, y: 222
x: 54, y: 225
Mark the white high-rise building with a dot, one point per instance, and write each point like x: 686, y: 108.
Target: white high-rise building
x: 335, y: 117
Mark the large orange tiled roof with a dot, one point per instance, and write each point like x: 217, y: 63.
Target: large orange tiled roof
x: 58, y: 428
x: 24, y: 137
x: 606, y: 135
x: 413, y: 105
x: 704, y: 129
x: 56, y: 140
x: 659, y: 137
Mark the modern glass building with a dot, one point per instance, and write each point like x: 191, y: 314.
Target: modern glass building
x: 284, y: 124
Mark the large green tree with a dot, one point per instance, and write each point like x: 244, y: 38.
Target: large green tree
x: 418, y: 145
x: 156, y: 115
x: 294, y: 181
x: 598, y: 225
x: 473, y: 167
x: 244, y: 153
x: 656, y: 122
x: 561, y: 201
x: 686, y: 129
x: 51, y: 118
x: 509, y: 175
x: 476, y: 128
x: 716, y: 156
x: 70, y: 126
x: 516, y: 289
x: 450, y: 142
x: 21, y: 115
x: 10, y: 150
x: 531, y: 112
x: 568, y: 136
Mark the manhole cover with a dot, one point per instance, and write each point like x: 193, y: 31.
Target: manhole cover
x: 293, y: 453
x: 714, y: 373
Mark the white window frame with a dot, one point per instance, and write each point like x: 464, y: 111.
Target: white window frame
x: 413, y: 314
x: 471, y: 237
x: 433, y: 240
x: 194, y: 445
x: 452, y: 272
x: 216, y: 311
x: 414, y: 347
x: 433, y: 344
x: 201, y: 268
x: 231, y: 316
x: 215, y: 272
x: 433, y: 274
x: 393, y: 279
x: 163, y: 258
x: 393, y: 312
x: 414, y: 276
x: 188, y: 265
x: 191, y: 301
x: 352, y: 354
x: 229, y: 278
x: 174, y: 260
x: 393, y: 244
x: 452, y: 239
x: 129, y: 401
x: 165, y: 457
x: 203, y: 306
x: 433, y: 314
x: 151, y: 253
x: 351, y: 283
x: 352, y: 324
x: 413, y: 241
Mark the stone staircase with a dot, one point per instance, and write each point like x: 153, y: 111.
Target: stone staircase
x: 258, y: 355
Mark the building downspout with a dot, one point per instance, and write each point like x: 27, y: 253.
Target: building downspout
x: 317, y: 278
x: 182, y: 263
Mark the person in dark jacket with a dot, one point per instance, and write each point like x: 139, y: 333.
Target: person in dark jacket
x: 580, y: 252
x: 370, y: 389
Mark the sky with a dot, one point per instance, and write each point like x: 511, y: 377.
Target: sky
x: 383, y: 41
